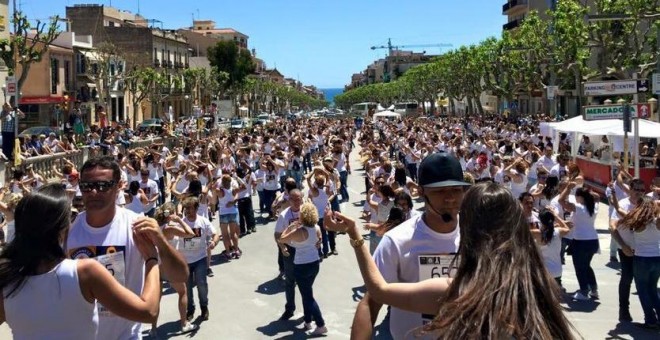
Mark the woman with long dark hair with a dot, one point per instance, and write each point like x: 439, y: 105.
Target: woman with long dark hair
x: 548, y: 237
x: 500, y: 287
x: 136, y: 199
x: 62, y: 294
x: 585, y: 238
x: 643, y: 221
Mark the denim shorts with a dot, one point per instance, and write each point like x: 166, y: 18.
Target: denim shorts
x: 228, y: 218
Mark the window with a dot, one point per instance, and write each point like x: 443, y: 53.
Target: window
x: 67, y: 76
x: 54, y: 75
x: 81, y: 63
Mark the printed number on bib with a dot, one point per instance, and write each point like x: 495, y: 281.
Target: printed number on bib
x: 111, y: 257
x: 436, y: 266
x: 193, y: 243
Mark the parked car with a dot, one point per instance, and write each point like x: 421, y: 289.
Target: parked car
x: 39, y: 130
x: 156, y: 123
x: 261, y: 119
x: 237, y: 124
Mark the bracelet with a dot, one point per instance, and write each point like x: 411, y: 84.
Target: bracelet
x: 357, y: 243
x: 151, y: 258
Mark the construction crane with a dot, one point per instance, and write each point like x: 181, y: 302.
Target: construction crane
x: 391, y: 47
x: 387, y: 67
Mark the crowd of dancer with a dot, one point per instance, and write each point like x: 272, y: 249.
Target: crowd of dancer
x: 501, y: 204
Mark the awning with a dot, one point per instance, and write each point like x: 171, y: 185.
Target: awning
x: 43, y: 100
x: 92, y: 56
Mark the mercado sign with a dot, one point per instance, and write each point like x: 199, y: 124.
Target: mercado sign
x: 607, y: 112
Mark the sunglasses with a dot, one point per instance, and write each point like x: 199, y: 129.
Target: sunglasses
x: 380, y: 183
x: 100, y: 186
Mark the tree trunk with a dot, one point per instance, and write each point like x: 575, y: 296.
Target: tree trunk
x: 480, y: 108
x: 136, y: 107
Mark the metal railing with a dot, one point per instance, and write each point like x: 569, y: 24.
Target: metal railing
x: 44, y: 164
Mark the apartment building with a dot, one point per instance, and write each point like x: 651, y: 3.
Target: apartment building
x: 144, y: 44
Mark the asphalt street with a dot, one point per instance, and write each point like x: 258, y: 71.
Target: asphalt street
x: 246, y: 298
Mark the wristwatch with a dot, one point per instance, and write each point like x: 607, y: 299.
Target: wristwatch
x: 357, y: 243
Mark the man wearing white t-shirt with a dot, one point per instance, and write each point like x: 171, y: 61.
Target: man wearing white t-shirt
x: 420, y: 248
x: 105, y: 232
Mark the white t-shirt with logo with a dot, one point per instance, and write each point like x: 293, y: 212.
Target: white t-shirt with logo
x: 194, y: 248
x: 112, y: 245
x: 409, y: 253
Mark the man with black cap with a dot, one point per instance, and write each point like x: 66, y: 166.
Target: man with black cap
x: 420, y: 248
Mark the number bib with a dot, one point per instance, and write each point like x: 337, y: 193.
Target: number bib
x: 111, y: 257
x: 193, y: 243
x: 435, y: 267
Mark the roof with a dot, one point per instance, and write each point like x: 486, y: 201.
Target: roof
x: 221, y: 31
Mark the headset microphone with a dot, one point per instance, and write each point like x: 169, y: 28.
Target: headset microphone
x: 446, y: 217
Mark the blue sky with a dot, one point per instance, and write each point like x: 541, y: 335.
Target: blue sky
x: 320, y: 42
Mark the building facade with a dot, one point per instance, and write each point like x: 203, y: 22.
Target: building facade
x: 144, y: 45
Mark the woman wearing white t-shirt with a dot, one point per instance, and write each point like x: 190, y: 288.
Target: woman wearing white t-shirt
x: 303, y: 235
x: 585, y: 238
x: 548, y: 238
x: 136, y: 200
x: 382, y: 210
x: 643, y: 221
x: 62, y: 293
x: 8, y: 202
x: 227, y: 195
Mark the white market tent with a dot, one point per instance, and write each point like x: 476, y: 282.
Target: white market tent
x: 387, y: 115
x: 613, y: 128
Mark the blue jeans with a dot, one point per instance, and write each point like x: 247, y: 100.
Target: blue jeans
x: 307, y: 162
x: 583, y: 251
x: 334, y: 204
x: 198, y: 276
x: 412, y: 170
x: 262, y: 201
x: 646, y: 271
x: 269, y: 198
x: 343, y: 176
x: 305, y: 275
x: 328, y: 238
x: 289, y: 279
x: 625, y: 281
x: 297, y: 176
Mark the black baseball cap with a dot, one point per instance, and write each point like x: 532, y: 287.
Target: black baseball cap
x: 440, y: 170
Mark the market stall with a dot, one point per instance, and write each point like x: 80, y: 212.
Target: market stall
x: 599, y: 172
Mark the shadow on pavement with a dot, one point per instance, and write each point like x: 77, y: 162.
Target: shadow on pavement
x: 632, y: 330
x: 169, y: 330
x: 274, y: 328
x: 358, y: 293
x: 271, y: 287
x: 580, y: 306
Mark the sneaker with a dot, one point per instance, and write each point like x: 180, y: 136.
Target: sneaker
x: 286, y: 315
x: 335, y: 252
x: 153, y: 333
x: 624, y: 315
x: 190, y: 315
x: 237, y: 254
x: 308, y: 326
x: 613, y: 259
x: 594, y: 294
x: 209, y: 272
x: 580, y: 297
x: 254, y: 230
x: 189, y: 327
x: 318, y: 331
x: 205, y: 313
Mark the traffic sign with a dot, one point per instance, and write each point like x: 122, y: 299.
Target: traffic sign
x: 552, y: 91
x: 614, y: 87
x: 599, y: 112
x: 642, y: 85
x: 11, y: 86
x: 643, y: 110
x: 656, y: 83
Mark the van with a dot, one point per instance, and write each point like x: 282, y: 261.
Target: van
x: 406, y: 108
x: 363, y: 109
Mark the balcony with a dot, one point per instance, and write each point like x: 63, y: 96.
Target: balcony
x: 156, y: 63
x: 170, y: 64
x: 512, y: 24
x: 513, y: 5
